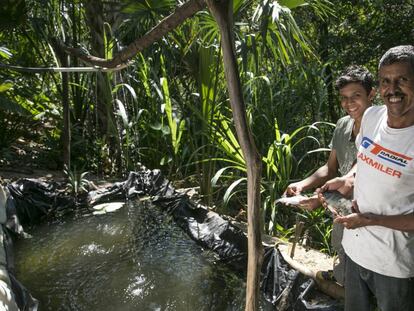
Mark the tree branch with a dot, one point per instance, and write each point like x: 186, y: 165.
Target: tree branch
x: 165, y: 26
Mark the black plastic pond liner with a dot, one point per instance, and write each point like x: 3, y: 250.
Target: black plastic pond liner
x: 310, y: 299
x: 34, y: 201
x: 208, y: 229
x: 24, y: 300
x: 141, y: 183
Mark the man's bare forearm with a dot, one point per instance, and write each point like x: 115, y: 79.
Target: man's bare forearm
x: 396, y: 222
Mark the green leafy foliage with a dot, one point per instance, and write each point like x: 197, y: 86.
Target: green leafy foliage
x: 12, y: 14
x: 77, y: 183
x: 318, y: 227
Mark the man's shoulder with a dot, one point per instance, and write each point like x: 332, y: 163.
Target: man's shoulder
x: 344, y: 122
x: 373, y: 117
x: 375, y: 111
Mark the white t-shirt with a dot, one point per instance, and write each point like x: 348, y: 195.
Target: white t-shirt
x: 384, y: 185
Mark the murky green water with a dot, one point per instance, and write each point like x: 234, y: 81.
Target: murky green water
x: 133, y: 259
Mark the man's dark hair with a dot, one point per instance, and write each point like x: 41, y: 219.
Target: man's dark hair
x: 355, y: 74
x: 396, y: 54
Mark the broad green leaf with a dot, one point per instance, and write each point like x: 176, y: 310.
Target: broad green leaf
x: 122, y: 113
x: 291, y: 4
x: 229, y: 192
x: 156, y: 126
x: 12, y: 106
x: 5, y: 86
x: 5, y: 52
x: 107, y: 207
x: 218, y: 174
x: 128, y: 87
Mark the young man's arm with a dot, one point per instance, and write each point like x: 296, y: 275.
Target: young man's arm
x: 343, y: 184
x: 318, y: 178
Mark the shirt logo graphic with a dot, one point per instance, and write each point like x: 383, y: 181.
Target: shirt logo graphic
x: 384, y: 153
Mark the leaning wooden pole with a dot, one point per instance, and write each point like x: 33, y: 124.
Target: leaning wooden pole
x: 222, y: 10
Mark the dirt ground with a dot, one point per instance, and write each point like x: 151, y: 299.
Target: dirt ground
x: 8, y: 174
x: 306, y: 256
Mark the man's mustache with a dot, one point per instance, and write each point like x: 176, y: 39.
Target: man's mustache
x: 388, y: 95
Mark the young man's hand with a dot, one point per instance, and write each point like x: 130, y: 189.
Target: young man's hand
x: 311, y: 203
x: 293, y: 189
x: 344, y: 185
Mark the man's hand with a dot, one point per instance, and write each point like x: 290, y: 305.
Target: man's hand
x: 354, y: 220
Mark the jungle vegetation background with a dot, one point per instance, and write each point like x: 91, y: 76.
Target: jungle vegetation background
x: 170, y: 109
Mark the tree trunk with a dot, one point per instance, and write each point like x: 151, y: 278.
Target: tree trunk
x: 222, y: 11
x: 95, y: 18
x: 95, y: 21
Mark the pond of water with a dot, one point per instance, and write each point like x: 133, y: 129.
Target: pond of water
x: 133, y: 259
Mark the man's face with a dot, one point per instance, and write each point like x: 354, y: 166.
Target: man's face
x: 355, y: 100
x: 396, y: 86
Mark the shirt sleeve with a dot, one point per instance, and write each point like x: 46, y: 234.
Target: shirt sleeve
x: 361, y: 129
x: 335, y: 139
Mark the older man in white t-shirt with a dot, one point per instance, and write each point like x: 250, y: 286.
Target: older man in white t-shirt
x: 379, y: 236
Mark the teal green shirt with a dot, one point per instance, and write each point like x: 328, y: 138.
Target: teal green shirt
x: 346, y: 153
x: 344, y: 144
